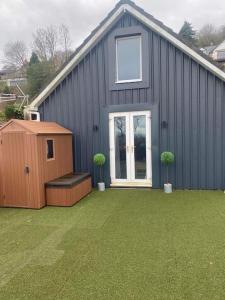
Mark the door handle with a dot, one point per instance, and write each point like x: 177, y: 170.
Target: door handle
x: 27, y: 170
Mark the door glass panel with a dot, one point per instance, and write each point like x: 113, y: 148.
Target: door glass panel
x: 120, y: 147
x: 140, y: 146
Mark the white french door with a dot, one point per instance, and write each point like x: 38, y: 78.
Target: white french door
x: 130, y: 149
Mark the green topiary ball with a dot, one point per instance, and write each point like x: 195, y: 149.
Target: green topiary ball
x: 99, y: 159
x: 167, y: 158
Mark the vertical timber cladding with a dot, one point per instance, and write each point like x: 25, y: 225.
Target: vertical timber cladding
x: 190, y: 99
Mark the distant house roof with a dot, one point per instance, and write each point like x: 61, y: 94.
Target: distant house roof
x: 126, y: 6
x: 209, y: 49
x: 38, y: 128
x: 220, y: 47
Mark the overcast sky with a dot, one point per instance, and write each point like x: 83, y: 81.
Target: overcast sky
x: 19, y: 18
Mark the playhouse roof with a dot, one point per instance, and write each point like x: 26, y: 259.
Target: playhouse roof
x: 37, y: 127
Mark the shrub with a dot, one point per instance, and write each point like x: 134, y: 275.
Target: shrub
x: 99, y: 160
x: 2, y: 116
x: 13, y: 111
x: 2, y: 86
x: 167, y: 158
x: 6, y: 90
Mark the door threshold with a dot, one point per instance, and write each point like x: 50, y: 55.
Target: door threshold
x: 130, y: 185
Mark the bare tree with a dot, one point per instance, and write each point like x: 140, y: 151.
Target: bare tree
x: 222, y: 33
x: 15, y: 55
x: 39, y: 44
x: 52, y: 44
x: 45, y: 43
x: 52, y: 40
x: 65, y: 40
x: 208, y: 35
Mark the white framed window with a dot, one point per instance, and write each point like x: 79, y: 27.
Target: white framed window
x: 129, y: 59
x: 35, y: 116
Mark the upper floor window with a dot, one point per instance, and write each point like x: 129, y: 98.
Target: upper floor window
x: 129, y: 59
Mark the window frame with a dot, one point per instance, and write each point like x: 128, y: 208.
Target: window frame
x: 113, y: 84
x: 53, y: 148
x: 141, y: 61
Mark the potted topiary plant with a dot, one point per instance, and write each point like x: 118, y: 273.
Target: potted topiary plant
x: 99, y: 161
x: 167, y: 158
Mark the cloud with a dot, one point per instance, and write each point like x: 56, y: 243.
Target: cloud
x: 20, y: 18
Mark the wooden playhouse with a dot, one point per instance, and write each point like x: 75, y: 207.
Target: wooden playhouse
x: 33, y: 154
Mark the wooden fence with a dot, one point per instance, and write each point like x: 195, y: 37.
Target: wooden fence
x: 7, y: 97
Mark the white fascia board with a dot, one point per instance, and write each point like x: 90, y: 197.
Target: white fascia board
x: 126, y: 7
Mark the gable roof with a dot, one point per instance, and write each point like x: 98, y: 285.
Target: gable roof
x: 38, y: 128
x: 126, y: 6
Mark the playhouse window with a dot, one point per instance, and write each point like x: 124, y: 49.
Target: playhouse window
x: 50, y: 149
x: 128, y: 59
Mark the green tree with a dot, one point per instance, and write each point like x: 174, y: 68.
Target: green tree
x: 33, y: 59
x: 187, y: 33
x: 38, y: 75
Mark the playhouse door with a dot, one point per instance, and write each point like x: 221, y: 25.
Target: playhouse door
x: 15, y: 193
x: 130, y: 149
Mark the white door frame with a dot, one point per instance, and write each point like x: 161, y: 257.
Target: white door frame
x: 112, y: 148
x: 130, y: 158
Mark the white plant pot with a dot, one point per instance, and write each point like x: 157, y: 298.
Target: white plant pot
x: 101, y: 186
x: 168, y: 188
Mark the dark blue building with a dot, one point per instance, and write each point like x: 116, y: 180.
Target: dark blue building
x: 134, y: 89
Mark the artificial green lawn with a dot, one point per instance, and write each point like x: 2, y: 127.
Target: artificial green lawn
x: 120, y: 244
